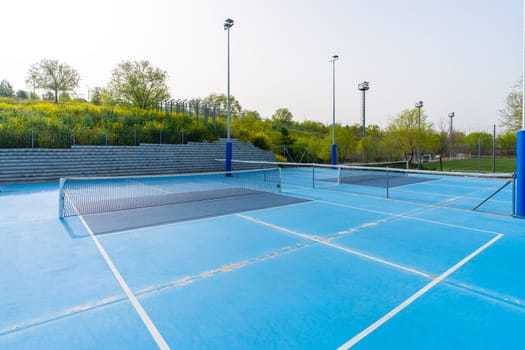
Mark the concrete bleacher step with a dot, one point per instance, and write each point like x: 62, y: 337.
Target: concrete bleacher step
x: 50, y: 164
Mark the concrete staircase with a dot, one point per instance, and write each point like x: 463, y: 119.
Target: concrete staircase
x: 18, y: 165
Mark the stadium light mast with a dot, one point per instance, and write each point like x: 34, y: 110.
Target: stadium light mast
x: 363, y: 87
x: 450, y: 115
x: 228, y: 23
x: 334, y: 147
x: 419, y: 105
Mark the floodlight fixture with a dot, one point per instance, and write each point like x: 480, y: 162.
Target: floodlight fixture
x: 363, y: 87
x: 228, y: 23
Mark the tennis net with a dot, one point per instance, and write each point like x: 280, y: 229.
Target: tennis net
x: 91, y: 195
x: 494, y: 193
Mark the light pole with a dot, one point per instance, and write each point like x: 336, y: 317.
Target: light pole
x: 334, y: 147
x: 520, y: 140
x: 363, y: 87
x: 450, y: 115
x: 419, y: 105
x: 228, y: 23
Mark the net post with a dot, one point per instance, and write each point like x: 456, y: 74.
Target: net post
x: 313, y: 175
x: 520, y: 168
x: 61, y: 198
x: 280, y: 182
x: 387, y: 184
x: 229, y: 153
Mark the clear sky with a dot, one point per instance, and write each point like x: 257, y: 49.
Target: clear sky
x: 455, y: 55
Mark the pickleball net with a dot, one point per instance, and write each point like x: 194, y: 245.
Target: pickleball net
x: 489, y: 192
x: 91, y: 195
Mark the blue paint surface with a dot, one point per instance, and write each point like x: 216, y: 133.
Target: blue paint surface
x: 190, y: 249
x: 318, y: 219
x: 411, y: 243
x: 312, y: 298
x: 452, y: 318
x: 232, y: 282
x: 113, y: 326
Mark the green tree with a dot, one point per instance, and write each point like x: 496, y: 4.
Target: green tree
x: 407, y: 131
x: 282, y: 115
x: 507, y: 143
x: 315, y: 126
x: 222, y: 102
x: 483, y: 139
x: 138, y: 84
x: 6, y: 89
x: 371, y: 147
x: 53, y: 76
x: 346, y: 140
x: 510, y: 116
x: 21, y: 94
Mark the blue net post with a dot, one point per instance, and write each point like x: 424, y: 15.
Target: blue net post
x: 334, y: 154
x: 520, y: 168
x: 229, y: 152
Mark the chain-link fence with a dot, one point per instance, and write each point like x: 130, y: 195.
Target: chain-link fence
x: 193, y: 108
x: 67, y: 138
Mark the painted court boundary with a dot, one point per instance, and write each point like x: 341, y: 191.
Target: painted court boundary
x: 138, y: 307
x: 367, y: 331
x: 327, y: 242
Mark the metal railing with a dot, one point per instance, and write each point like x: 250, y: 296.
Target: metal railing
x: 68, y: 138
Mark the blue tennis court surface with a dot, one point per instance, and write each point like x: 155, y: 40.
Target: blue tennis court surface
x: 319, y: 265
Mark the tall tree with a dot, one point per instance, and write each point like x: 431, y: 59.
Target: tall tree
x: 510, y: 116
x: 282, y: 115
x: 407, y: 131
x: 222, y: 102
x: 139, y: 84
x: 53, y: 76
x: 6, y: 89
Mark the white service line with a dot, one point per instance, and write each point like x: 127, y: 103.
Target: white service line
x: 356, y: 339
x: 336, y: 246
x: 406, y: 216
x: 138, y: 307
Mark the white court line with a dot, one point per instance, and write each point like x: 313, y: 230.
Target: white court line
x: 149, y: 186
x: 356, y: 339
x: 405, y: 216
x: 336, y: 246
x: 161, y: 343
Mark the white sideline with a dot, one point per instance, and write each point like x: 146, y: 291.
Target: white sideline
x: 356, y: 339
x: 138, y: 307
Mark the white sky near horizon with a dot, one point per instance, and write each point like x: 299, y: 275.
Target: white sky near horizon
x: 455, y: 55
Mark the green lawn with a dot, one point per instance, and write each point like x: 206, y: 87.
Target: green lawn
x: 503, y: 165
